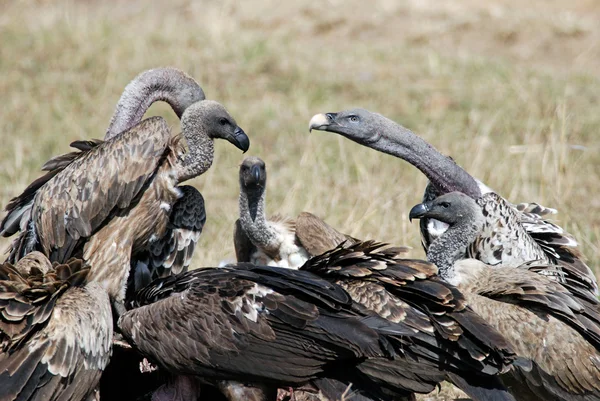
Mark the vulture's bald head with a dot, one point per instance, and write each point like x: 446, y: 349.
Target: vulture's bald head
x: 212, y: 117
x: 253, y: 174
x: 452, y: 208
x: 360, y: 125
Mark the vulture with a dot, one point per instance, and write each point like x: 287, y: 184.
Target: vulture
x: 511, y: 236
x: 380, y: 282
x: 277, y: 241
x: 56, y: 330
x: 554, y: 328
x: 116, y: 197
x: 272, y: 327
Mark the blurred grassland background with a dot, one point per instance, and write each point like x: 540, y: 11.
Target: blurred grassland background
x: 510, y: 90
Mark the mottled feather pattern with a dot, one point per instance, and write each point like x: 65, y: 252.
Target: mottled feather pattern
x: 545, y: 322
x: 510, y: 239
x: 171, y: 253
x: 429, y: 311
x: 55, y: 330
x: 522, y: 233
x: 73, y: 191
x: 18, y: 217
x: 28, y: 294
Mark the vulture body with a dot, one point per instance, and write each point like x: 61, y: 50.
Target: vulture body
x: 271, y: 326
x: 554, y: 328
x: 381, y: 283
x: 55, y: 331
x: 513, y: 235
x: 115, y: 198
x: 253, y: 324
x: 277, y: 241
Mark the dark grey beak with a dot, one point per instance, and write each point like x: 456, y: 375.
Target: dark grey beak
x: 240, y: 139
x: 418, y: 211
x: 321, y: 121
x: 255, y: 171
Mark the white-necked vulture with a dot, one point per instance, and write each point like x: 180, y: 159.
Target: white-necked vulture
x: 114, y: 198
x: 512, y: 235
x: 554, y: 327
x: 264, y: 326
x: 261, y: 240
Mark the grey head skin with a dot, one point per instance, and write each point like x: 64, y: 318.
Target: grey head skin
x: 380, y: 133
x: 465, y: 220
x: 253, y: 182
x: 201, y: 123
x: 168, y: 84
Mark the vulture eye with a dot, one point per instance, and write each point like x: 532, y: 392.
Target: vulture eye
x: 223, y: 121
x: 445, y: 205
x: 353, y: 119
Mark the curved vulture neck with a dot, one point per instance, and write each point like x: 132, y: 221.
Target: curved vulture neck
x: 254, y: 221
x: 166, y: 84
x: 442, y: 171
x: 452, y: 246
x: 200, y: 154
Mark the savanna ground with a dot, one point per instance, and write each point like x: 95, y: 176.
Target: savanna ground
x: 510, y: 91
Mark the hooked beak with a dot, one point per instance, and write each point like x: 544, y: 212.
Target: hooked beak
x: 418, y: 211
x: 322, y: 121
x: 255, y: 171
x: 240, y: 139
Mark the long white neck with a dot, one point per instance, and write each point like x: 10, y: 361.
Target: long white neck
x: 199, y: 157
x: 254, y: 221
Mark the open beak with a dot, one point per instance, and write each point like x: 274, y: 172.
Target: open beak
x: 418, y: 211
x: 240, y: 139
x: 321, y: 121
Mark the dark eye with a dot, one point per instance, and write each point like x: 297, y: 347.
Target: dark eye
x: 223, y: 121
x: 353, y: 119
x: 445, y: 205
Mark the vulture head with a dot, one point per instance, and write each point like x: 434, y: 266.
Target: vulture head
x: 253, y: 174
x: 212, y: 117
x: 359, y: 125
x: 452, y: 208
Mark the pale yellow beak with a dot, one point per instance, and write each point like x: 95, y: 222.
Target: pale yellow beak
x: 318, y: 121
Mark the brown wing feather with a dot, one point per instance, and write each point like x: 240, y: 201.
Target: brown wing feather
x: 316, y: 236
x: 55, y: 335
x: 427, y: 319
x: 19, y: 208
x: 540, y: 294
x: 77, y: 201
x: 227, y: 318
x: 549, y: 325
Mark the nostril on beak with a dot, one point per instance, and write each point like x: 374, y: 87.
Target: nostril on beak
x: 329, y: 116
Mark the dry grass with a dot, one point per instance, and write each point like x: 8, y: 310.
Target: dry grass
x: 512, y: 94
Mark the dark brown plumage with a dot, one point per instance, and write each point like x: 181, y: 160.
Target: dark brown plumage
x: 554, y: 328
x: 115, y: 198
x: 172, y: 253
x: 259, y: 239
x: 254, y: 324
x: 55, y: 330
x: 440, y: 337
